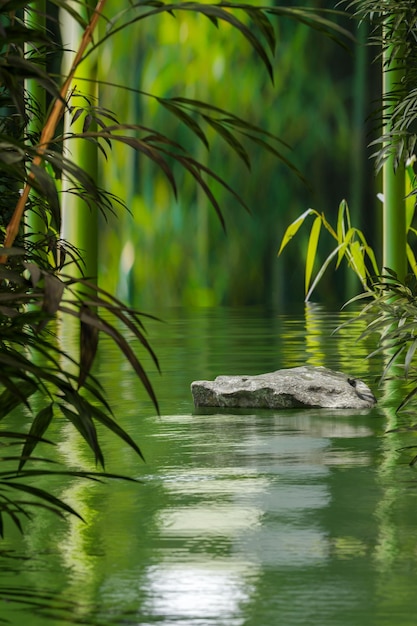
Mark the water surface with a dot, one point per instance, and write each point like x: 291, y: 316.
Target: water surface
x: 252, y: 518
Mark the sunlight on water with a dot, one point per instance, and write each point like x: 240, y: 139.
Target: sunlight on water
x: 287, y: 518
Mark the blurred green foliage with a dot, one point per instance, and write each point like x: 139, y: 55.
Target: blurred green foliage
x: 175, y: 252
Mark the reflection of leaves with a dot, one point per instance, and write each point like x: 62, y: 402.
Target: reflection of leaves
x: 14, y: 485
x: 88, y: 344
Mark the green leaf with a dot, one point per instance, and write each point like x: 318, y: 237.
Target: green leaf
x: 230, y: 139
x: 43, y: 495
x: 88, y: 344
x: 85, y: 426
x: 15, y: 394
x: 321, y: 272
x: 126, y: 349
x: 312, y: 250
x: 116, y: 429
x: 411, y: 259
x: 294, y: 227
x: 185, y: 118
x: 345, y: 242
x: 409, y: 356
x: 357, y: 261
x: 38, y: 428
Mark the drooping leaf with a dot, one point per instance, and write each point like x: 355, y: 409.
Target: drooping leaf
x: 409, y: 357
x: 112, y: 425
x: 43, y: 495
x: 357, y: 260
x: 185, y: 118
x: 85, y: 426
x: 193, y: 168
x: 230, y: 139
x: 15, y: 395
x: 321, y: 272
x: 312, y: 250
x: 89, y: 336
x: 38, y: 428
x: 127, y: 351
x: 53, y: 292
x: 293, y: 228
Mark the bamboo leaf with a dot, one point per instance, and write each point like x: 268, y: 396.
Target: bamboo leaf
x: 15, y: 395
x: 293, y: 228
x: 344, y: 242
x: 192, y: 168
x: 341, y: 230
x: 262, y: 22
x: 230, y: 139
x: 85, y: 426
x: 53, y: 292
x: 264, y: 144
x: 405, y: 401
x: 321, y: 272
x: 201, y: 167
x: 88, y: 344
x: 124, y: 346
x: 185, y: 118
x: 411, y: 259
x: 116, y: 429
x: 312, y: 251
x: 43, y: 495
x: 357, y: 261
x: 409, y: 356
x: 39, y: 426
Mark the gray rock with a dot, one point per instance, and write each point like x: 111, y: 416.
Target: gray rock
x: 306, y: 386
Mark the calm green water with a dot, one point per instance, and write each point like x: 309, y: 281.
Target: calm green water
x: 270, y: 518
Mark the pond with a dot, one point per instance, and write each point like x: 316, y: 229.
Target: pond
x: 259, y: 518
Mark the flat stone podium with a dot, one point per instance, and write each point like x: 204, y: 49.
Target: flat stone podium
x: 305, y: 386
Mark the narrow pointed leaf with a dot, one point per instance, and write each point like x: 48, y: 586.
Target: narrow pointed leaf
x: 185, y: 118
x: 38, y: 428
x: 320, y: 273
x: 85, y: 426
x: 116, y: 429
x: 312, y: 251
x: 15, y: 395
x: 88, y: 345
x: 293, y: 228
x: 43, y: 495
x: 230, y: 139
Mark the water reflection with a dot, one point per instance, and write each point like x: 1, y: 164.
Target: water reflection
x: 289, y: 517
x: 197, y: 595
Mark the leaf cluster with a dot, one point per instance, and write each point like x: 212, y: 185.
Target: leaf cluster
x: 391, y: 315
x: 351, y: 246
x: 36, y: 371
x: 394, y: 25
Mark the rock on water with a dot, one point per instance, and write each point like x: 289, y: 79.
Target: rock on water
x: 306, y: 386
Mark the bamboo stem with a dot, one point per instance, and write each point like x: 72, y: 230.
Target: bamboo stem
x: 79, y: 221
x: 35, y: 225
x: 394, y: 206
x: 49, y: 129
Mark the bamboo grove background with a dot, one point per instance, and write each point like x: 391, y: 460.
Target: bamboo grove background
x: 174, y: 252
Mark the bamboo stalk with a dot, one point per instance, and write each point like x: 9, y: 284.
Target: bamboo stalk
x: 394, y: 207
x: 79, y: 221
x: 35, y: 225
x: 49, y: 129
